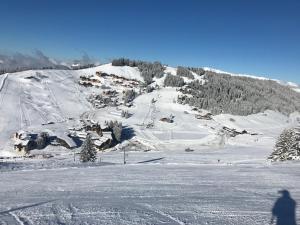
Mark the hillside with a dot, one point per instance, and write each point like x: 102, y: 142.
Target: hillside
x: 162, y: 162
x: 57, y: 100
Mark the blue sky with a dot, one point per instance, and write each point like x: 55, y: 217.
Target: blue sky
x: 248, y: 36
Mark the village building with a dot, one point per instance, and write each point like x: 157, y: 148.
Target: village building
x: 24, y: 142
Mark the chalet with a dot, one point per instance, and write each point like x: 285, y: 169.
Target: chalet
x: 101, y: 136
x: 24, y: 146
x: 233, y: 132
x: 207, y: 116
x: 102, y: 142
x: 66, y: 142
x: 24, y: 142
x: 89, y: 81
x: 75, y: 66
x: 167, y: 120
x: 101, y: 74
x: 110, y: 93
x: 93, y: 127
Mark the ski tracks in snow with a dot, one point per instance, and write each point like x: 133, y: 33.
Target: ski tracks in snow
x: 24, y: 116
x: 158, y: 214
x: 2, y: 82
x: 3, y: 88
x: 19, y: 220
x: 12, y: 218
x: 55, y: 101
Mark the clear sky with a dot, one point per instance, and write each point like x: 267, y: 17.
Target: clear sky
x: 247, y: 36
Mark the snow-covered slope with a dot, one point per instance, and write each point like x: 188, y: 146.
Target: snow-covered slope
x: 123, y: 71
x: 192, y: 171
x: 292, y: 85
x: 30, y: 100
x: 234, y: 74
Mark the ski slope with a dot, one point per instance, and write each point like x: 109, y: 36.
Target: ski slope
x: 220, y: 180
x: 31, y: 99
x: 174, y: 188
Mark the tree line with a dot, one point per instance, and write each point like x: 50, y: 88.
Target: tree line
x: 223, y: 93
x: 148, y: 70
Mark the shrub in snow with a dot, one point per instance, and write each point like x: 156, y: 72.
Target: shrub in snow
x: 148, y: 79
x: 184, y: 72
x: 42, y: 140
x: 125, y: 62
x: 149, y: 89
x: 173, y: 81
x: 198, y: 71
x: 149, y: 69
x: 129, y: 96
x: 287, y: 146
x: 88, y: 152
x: 125, y: 114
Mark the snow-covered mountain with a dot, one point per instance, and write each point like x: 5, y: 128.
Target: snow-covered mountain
x: 57, y: 100
x: 184, y: 165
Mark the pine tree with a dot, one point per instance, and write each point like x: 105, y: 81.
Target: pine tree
x: 41, y: 140
x: 129, y: 96
x: 287, y: 146
x: 88, y: 153
x: 173, y: 81
x: 116, y: 129
x: 125, y: 114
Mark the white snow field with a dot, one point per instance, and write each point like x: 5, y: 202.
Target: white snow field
x: 186, y: 172
x: 181, y: 188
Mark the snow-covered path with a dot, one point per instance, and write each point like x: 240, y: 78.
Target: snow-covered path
x: 147, y: 193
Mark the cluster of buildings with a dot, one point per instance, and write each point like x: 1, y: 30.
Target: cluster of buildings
x: 25, y: 141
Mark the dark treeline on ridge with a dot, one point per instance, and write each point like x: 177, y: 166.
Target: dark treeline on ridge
x: 237, y: 95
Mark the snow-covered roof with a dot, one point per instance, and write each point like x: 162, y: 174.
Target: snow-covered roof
x: 107, y: 134
x: 22, y: 142
x: 67, y: 139
x: 23, y: 135
x: 101, y: 140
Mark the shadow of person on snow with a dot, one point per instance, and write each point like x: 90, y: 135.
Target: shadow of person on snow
x: 284, y: 209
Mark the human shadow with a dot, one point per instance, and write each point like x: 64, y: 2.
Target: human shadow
x: 284, y: 209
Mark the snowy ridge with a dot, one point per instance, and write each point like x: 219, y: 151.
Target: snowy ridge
x: 234, y: 74
x: 294, y: 86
